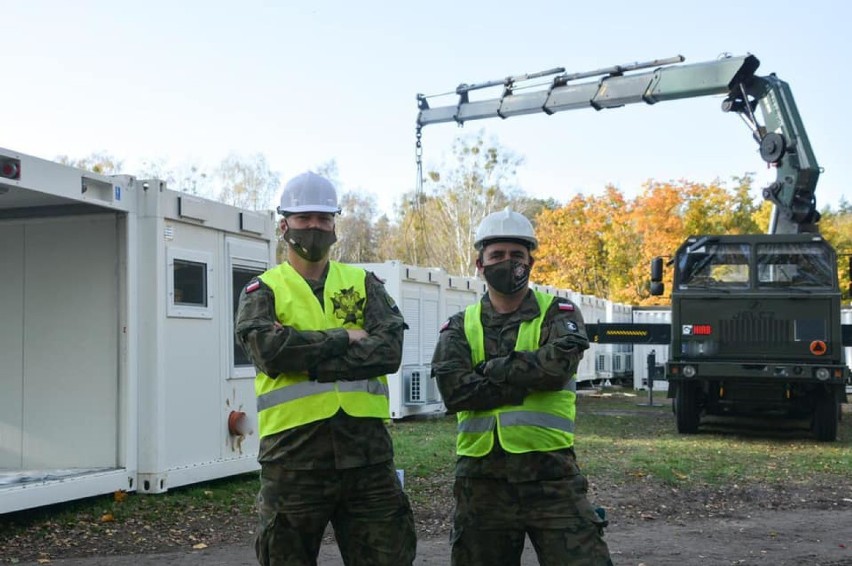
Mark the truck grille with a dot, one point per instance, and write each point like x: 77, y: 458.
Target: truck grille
x: 756, y: 331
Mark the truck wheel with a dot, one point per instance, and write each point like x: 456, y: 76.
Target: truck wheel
x: 687, y: 413
x: 826, y: 409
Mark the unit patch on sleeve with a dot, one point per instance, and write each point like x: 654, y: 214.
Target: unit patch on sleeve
x: 571, y: 325
x: 253, y: 286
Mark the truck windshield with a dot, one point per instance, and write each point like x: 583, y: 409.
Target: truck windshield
x: 714, y: 265
x: 807, y: 264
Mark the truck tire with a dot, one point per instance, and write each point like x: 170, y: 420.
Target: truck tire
x: 826, y: 416
x: 687, y: 413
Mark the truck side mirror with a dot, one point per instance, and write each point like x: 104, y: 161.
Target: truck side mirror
x: 849, y: 283
x: 657, y: 270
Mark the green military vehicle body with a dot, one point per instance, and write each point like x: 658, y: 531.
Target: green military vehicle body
x: 756, y: 329
x: 755, y: 318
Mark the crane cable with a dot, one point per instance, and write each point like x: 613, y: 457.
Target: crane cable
x: 419, y: 220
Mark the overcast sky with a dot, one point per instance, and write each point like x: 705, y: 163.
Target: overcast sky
x: 307, y: 82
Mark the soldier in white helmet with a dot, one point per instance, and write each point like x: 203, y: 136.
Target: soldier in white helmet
x: 505, y: 366
x: 323, y: 335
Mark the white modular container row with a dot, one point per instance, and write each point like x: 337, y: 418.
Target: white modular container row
x: 620, y: 355
x: 846, y: 318
x: 460, y: 292
x: 118, y: 369
x: 596, y: 364
x: 650, y: 315
x: 421, y: 294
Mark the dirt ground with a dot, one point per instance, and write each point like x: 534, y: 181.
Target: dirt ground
x: 770, y: 525
x: 794, y: 537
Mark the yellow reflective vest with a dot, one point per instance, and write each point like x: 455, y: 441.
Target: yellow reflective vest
x: 544, y: 422
x: 291, y: 399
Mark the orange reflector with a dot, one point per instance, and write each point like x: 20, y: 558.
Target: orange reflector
x: 818, y: 348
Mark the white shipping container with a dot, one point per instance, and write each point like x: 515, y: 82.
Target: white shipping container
x: 419, y: 294
x: 117, y: 366
x: 650, y: 315
x: 846, y: 318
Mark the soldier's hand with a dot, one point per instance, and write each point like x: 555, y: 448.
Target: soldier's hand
x: 356, y: 334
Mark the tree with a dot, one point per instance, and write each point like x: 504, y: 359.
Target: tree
x: 187, y: 177
x: 330, y: 171
x: 388, y: 241
x: 568, y: 253
x: 836, y: 228
x: 442, y: 221
x: 588, y: 245
x: 247, y: 182
x: 101, y: 162
x: 357, y: 240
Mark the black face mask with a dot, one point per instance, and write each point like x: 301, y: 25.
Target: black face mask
x: 311, y: 244
x: 507, y: 277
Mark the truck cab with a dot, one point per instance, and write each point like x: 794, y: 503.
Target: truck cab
x: 756, y: 330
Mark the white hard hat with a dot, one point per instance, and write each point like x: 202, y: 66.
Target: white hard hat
x: 505, y: 225
x: 308, y: 192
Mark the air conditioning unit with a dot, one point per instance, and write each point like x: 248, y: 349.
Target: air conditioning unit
x: 420, y: 386
x: 414, y: 387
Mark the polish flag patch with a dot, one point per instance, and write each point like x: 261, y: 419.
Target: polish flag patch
x: 566, y: 307
x: 253, y: 286
x: 444, y: 326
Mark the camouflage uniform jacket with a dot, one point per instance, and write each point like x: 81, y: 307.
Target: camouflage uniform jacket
x: 341, y: 441
x: 508, y: 376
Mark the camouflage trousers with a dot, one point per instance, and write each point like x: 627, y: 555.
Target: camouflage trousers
x: 493, y: 517
x: 370, y: 513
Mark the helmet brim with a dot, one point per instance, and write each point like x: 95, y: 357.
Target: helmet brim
x: 528, y: 242
x: 309, y: 208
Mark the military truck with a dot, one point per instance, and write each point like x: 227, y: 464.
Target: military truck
x: 755, y: 318
x: 756, y: 329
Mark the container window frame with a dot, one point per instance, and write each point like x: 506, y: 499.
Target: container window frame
x: 175, y: 309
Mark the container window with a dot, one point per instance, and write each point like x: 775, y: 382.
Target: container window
x: 190, y: 279
x: 190, y: 276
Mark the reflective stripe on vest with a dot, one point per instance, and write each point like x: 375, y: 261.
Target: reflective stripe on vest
x: 291, y: 400
x: 544, y: 422
x: 308, y: 388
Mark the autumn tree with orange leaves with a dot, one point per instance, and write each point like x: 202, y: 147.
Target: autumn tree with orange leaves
x: 603, y: 245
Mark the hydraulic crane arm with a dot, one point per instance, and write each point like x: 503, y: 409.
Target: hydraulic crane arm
x: 782, y: 139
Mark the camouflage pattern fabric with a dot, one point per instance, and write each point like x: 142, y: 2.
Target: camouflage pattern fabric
x: 370, y: 513
x: 501, y: 496
x: 315, y: 473
x: 492, y: 518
